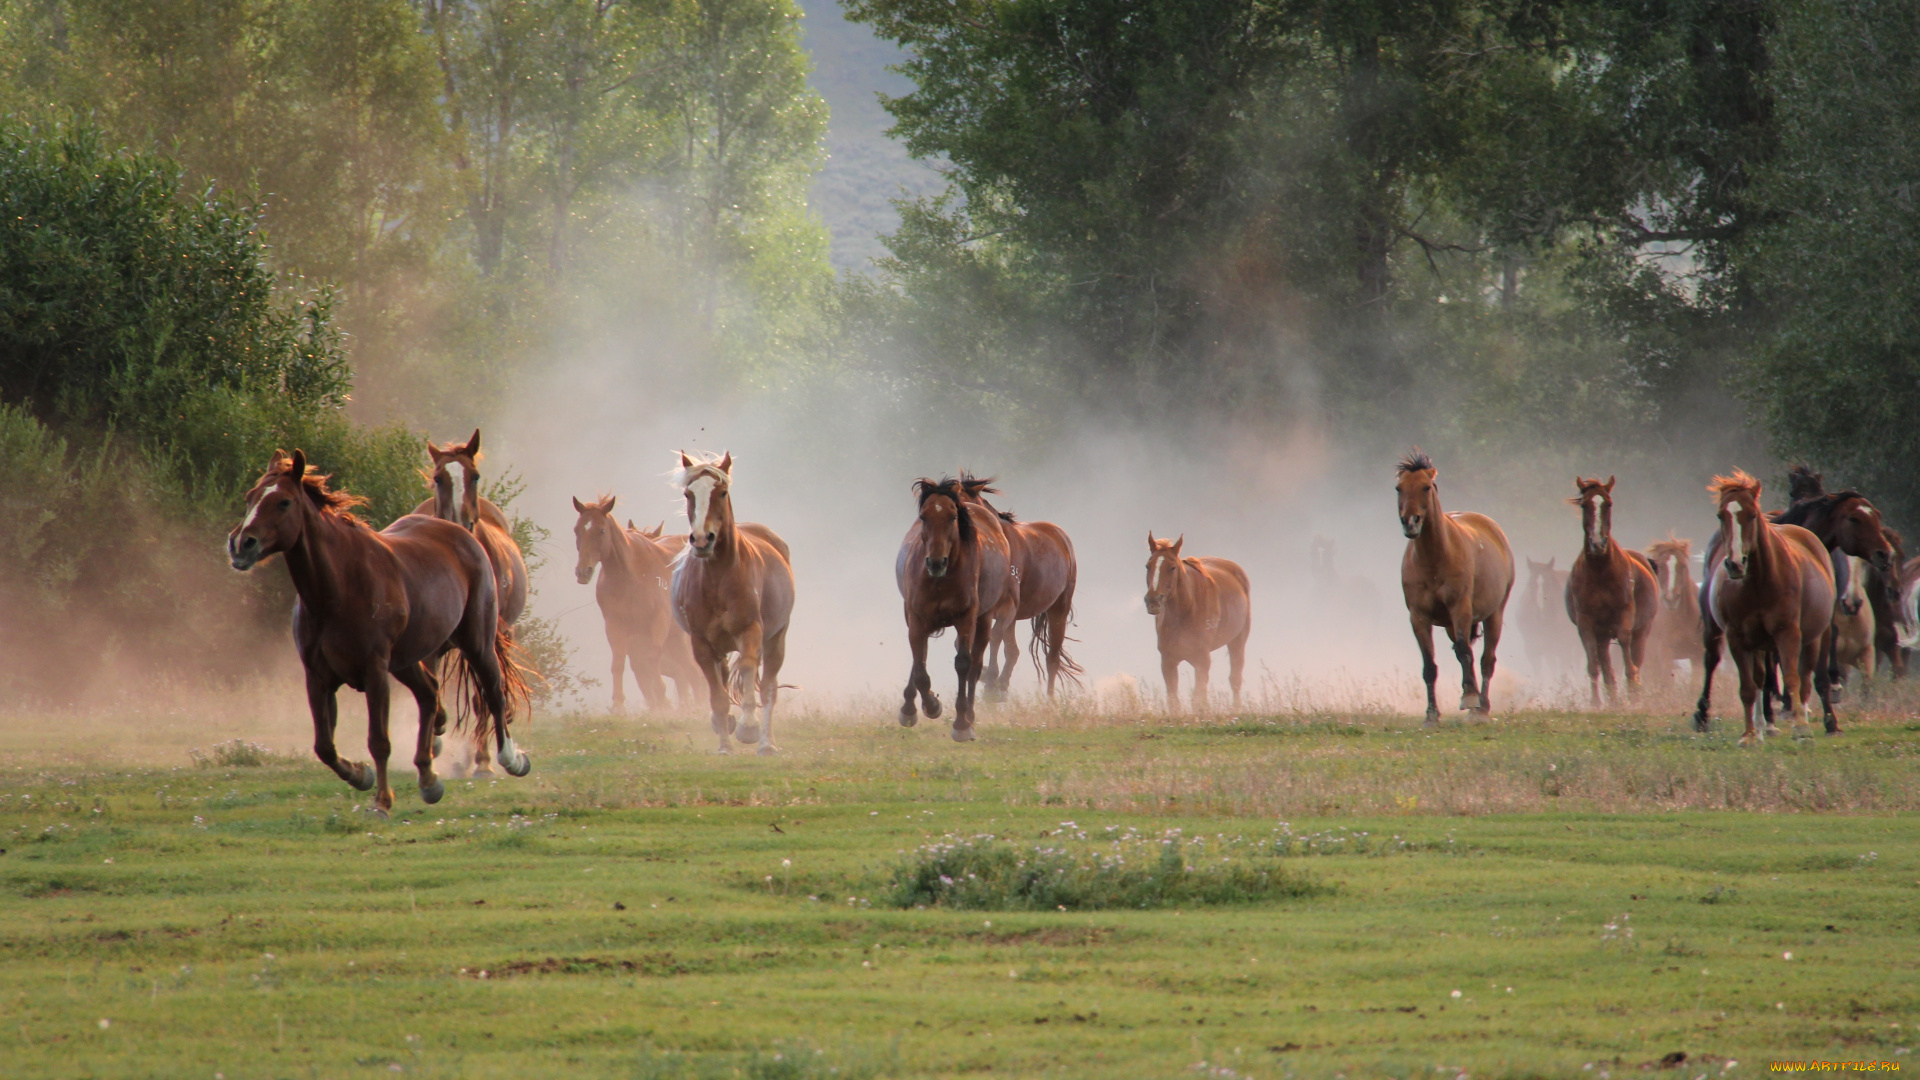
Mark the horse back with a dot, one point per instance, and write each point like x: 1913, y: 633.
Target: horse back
x: 765, y: 535
x: 1044, y: 554
x: 1233, y: 594
x: 446, y: 576
x: 1815, y: 569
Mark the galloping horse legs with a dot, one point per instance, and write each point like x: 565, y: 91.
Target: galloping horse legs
x: 1490, y: 632
x: 1462, y: 636
x: 379, y: 746
x: 1429, y: 670
x: 918, y: 681
x: 1794, y: 672
x: 1202, y: 674
x: 1170, y: 674
x: 617, y: 644
x: 969, y: 659
x: 1749, y: 689
x: 719, y: 705
x: 326, y: 716
x: 1710, y: 636
x: 746, y: 672
x: 773, y: 656
x: 426, y: 692
x: 1822, y: 684
x: 1597, y: 660
x: 1237, y: 662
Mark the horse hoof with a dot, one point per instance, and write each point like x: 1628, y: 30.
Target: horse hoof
x: 432, y: 793
x: 909, y: 716
x: 747, y: 733
x: 378, y: 811
x: 436, y: 746
x: 1750, y: 739
x: 963, y: 734
x: 1700, y: 722
x: 723, y: 749
x: 522, y: 765
x: 1471, y: 703
x: 766, y: 750
x: 1433, y: 718
x: 931, y: 706
x: 362, y: 779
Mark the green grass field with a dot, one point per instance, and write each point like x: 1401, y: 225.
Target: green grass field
x: 1539, y: 895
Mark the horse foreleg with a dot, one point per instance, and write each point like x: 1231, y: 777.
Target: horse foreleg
x: 1429, y: 669
x: 773, y: 654
x: 918, y: 681
x: 617, y: 677
x: 1202, y: 675
x: 1595, y: 649
x: 1490, y: 633
x: 326, y: 715
x: 426, y: 691
x: 973, y: 636
x: 746, y: 674
x: 645, y: 657
x: 1462, y: 637
x: 719, y: 705
x: 1793, y: 671
x: 1170, y: 674
x: 1237, y: 663
x: 1009, y: 648
x: 1823, y: 685
x: 1749, y: 689
x: 1709, y: 660
x: 379, y: 691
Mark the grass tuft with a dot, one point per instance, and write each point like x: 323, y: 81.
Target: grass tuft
x: 233, y: 754
x: 990, y: 873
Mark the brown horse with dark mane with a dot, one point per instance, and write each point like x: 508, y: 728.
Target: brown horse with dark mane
x: 489, y: 525
x: 373, y: 604
x: 636, y: 577
x: 1676, y: 630
x: 732, y: 593
x: 1041, y: 565
x: 1611, y: 592
x: 952, y: 570
x: 1771, y: 595
x: 1456, y: 574
x: 1199, y: 604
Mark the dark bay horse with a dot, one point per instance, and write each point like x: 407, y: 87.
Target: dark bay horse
x: 1611, y: 592
x: 489, y: 525
x: 633, y: 591
x: 1199, y: 604
x: 732, y: 593
x: 1456, y: 574
x: 1676, y: 630
x: 953, y: 570
x: 1041, y: 564
x: 1770, y: 595
x: 373, y: 604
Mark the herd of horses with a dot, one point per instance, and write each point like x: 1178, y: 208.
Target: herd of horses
x: 432, y: 599
x: 1797, y: 596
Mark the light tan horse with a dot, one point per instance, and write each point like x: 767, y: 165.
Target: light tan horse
x: 1456, y: 574
x: 1611, y: 593
x: 1854, y: 627
x: 1199, y: 604
x: 732, y: 593
x: 1771, y: 595
x: 636, y: 577
x: 1676, y: 630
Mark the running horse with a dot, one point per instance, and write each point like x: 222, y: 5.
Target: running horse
x: 732, y: 593
x: 1676, y: 630
x: 489, y: 525
x: 636, y: 578
x: 373, y: 604
x: 1770, y: 595
x: 1199, y: 604
x: 1041, y: 565
x: 953, y: 570
x: 1611, y: 593
x: 1456, y: 574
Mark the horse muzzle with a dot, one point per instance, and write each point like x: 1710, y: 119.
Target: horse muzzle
x: 243, y: 552
x: 1735, y: 570
x: 583, y: 574
x: 1882, y: 560
x: 1410, y: 526
x: 937, y: 567
x: 1153, y: 605
x: 702, y: 550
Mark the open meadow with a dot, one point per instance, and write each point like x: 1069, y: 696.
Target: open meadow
x: 1542, y: 894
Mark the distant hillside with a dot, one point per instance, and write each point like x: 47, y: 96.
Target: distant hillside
x: 864, y: 168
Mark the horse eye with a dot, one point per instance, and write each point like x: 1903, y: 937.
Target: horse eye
x: 284, y: 503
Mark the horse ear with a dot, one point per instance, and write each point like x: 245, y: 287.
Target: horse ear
x: 578, y: 506
x: 1609, y: 485
x: 299, y: 466
x: 274, y: 461
x: 473, y: 444
x: 1149, y: 539
x: 1178, y: 543
x: 606, y: 505
x: 1551, y: 561
x: 685, y: 461
x: 726, y: 463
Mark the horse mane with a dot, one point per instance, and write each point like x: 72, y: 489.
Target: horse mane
x: 1415, y: 460
x: 975, y: 486
x: 1724, y: 486
x: 1813, y: 511
x: 1671, y: 547
x: 953, y: 489
x: 704, y: 463
x: 314, y: 483
x: 1580, y: 482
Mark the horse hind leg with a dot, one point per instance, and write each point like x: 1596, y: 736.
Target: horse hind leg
x: 426, y: 692
x: 773, y: 657
x: 1709, y: 660
x: 1202, y: 679
x: 746, y: 673
x: 1489, y: 655
x: 1469, y: 681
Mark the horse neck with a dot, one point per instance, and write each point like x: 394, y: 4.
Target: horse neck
x: 726, y: 538
x: 1184, y: 597
x: 314, y: 561
x: 1441, y: 536
x: 1769, y: 551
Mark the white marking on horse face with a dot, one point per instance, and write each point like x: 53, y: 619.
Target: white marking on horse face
x: 1162, y: 581
x: 253, y: 512
x: 702, y: 489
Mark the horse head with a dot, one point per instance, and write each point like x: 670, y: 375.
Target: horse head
x: 1740, y: 520
x: 279, y: 506
x: 1596, y: 513
x: 705, y: 482
x: 1858, y: 531
x: 467, y: 456
x: 1163, y: 570
x: 945, y: 521
x: 1670, y: 558
x: 1419, y: 492
x: 1540, y: 582
x: 592, y: 537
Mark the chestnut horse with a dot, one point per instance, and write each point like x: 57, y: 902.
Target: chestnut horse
x: 732, y: 593
x: 636, y: 575
x: 1676, y: 630
x: 378, y: 603
x: 1199, y: 604
x: 1854, y: 629
x: 1611, y: 593
x: 490, y: 526
x: 1771, y: 595
x: 1456, y: 574
x: 1043, y: 571
x: 952, y: 570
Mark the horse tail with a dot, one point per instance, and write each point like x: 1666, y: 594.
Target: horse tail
x: 516, y: 690
x: 1056, y: 661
